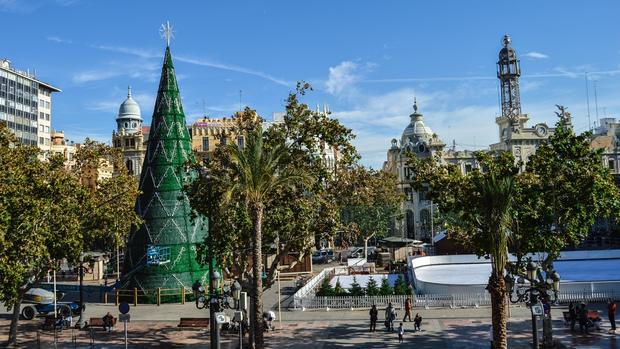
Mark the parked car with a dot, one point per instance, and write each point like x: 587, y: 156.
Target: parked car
x: 358, y: 252
x: 323, y: 256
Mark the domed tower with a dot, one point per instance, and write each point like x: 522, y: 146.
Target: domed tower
x: 129, y: 117
x: 129, y: 136
x: 419, y: 138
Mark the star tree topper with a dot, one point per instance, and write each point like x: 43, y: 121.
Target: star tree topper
x: 166, y: 32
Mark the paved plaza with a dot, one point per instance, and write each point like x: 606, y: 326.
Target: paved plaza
x: 154, y: 326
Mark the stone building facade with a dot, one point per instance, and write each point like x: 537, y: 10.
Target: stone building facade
x: 514, y: 135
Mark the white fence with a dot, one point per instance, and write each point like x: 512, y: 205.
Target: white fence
x: 352, y: 302
x: 431, y: 300
x: 309, y: 289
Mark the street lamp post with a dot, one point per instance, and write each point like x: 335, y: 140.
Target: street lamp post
x: 236, y: 291
x: 546, y: 289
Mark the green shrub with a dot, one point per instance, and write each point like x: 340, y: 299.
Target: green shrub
x: 385, y: 289
x: 400, y: 286
x: 326, y: 289
x: 339, y: 290
x: 372, y: 288
x: 356, y: 289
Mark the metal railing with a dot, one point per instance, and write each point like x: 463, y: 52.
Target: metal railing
x: 465, y: 300
x: 308, y: 290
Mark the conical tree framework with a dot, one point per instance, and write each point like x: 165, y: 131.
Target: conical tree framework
x: 162, y: 253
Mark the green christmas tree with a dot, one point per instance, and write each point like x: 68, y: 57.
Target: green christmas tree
x: 400, y: 286
x: 339, y: 290
x: 385, y: 289
x: 326, y: 289
x: 372, y: 289
x: 356, y: 289
x: 162, y: 252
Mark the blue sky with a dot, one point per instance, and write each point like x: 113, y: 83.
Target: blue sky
x: 366, y: 59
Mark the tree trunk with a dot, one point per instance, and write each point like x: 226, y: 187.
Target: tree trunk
x: 257, y: 268
x: 497, y: 288
x: 15, y: 321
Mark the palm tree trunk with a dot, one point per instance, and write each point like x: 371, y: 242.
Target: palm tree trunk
x: 257, y: 268
x: 499, y: 311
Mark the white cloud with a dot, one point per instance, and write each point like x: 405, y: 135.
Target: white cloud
x: 94, y: 75
x: 237, y: 69
x: 142, y: 53
x: 342, y: 77
x: 535, y: 55
x: 58, y: 40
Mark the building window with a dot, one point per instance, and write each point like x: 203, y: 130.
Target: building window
x: 133, y: 142
x: 41, y: 140
x: 610, y: 164
x: 223, y: 140
x: 130, y: 167
x: 205, y: 143
x: 127, y: 142
x: 467, y: 168
x: 240, y: 142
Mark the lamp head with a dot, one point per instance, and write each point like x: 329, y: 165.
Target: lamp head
x: 531, y: 270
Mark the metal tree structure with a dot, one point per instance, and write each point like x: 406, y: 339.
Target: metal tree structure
x: 162, y: 252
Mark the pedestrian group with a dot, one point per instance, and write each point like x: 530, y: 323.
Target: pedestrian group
x: 391, y: 315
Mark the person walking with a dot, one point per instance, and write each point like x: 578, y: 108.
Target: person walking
x: 401, y: 332
x: 390, y: 315
x: 417, y: 321
x: 611, y: 313
x: 572, y: 315
x: 583, y: 318
x: 374, y: 314
x: 408, y: 309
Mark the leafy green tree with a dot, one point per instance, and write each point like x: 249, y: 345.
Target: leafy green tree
x: 339, y: 290
x: 45, y: 216
x: 400, y: 286
x: 372, y: 288
x: 385, y: 289
x: 356, y: 289
x: 543, y: 207
x: 326, y: 289
x: 368, y: 202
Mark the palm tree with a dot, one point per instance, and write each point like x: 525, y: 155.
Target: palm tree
x: 258, y: 172
x: 496, y: 198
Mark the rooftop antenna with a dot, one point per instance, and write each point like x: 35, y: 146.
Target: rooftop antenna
x: 596, y: 102
x: 588, y: 102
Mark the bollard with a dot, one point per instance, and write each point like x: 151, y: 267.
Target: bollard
x: 135, y: 296
x: 158, y: 296
x: 116, y: 301
x: 182, y: 295
x: 105, y: 298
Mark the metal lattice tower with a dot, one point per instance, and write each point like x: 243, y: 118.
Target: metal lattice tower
x: 162, y: 252
x: 508, y: 72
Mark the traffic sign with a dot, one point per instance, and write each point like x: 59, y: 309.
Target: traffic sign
x: 123, y: 308
x: 220, y: 318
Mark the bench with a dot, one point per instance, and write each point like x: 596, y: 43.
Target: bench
x: 194, y: 322
x: 98, y: 322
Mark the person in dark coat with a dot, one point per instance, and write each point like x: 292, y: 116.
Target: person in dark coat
x: 611, y: 313
x: 417, y: 321
x: 583, y: 318
x: 374, y: 314
x: 572, y: 315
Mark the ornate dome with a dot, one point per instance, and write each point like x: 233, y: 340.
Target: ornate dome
x: 129, y: 108
x: 416, y: 130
